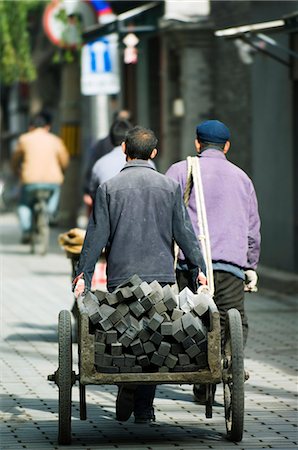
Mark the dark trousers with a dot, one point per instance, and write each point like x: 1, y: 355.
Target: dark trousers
x: 228, y: 293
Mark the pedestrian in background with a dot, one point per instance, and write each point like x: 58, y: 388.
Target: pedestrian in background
x: 101, y: 148
x: 110, y: 164
x: 233, y: 221
x: 137, y: 215
x: 39, y: 160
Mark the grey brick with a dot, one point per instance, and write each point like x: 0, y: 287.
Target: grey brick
x: 142, y: 290
x: 99, y: 348
x: 136, y: 308
x: 107, y: 369
x: 133, y: 369
x: 129, y: 360
x: 166, y: 328
x: 155, y: 321
x: 100, y: 336
x: 178, y: 332
x: 156, y: 338
x: 118, y: 361
x: 143, y: 360
x: 137, y: 347
x: 116, y: 349
x: 192, y: 351
x: 149, y: 347
x: 176, y: 314
x: 164, y: 348
x: 170, y: 299
x: 157, y: 359
x: 183, y: 359
x: 103, y: 360
x: 111, y: 336
x: 171, y: 361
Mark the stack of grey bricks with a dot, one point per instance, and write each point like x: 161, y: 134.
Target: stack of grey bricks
x: 142, y: 327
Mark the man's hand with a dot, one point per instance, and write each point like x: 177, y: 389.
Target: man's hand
x: 78, y: 285
x: 202, y: 279
x: 251, y: 279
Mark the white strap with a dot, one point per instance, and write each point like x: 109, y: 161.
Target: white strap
x: 203, y: 237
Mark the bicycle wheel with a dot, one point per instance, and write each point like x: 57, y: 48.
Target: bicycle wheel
x: 233, y: 376
x: 64, y: 376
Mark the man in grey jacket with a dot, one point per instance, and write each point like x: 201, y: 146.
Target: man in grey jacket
x: 137, y: 215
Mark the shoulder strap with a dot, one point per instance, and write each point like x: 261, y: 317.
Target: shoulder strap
x: 201, y: 217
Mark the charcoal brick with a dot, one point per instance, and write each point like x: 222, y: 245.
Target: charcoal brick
x: 189, y: 323
x: 116, y: 349
x: 100, y: 336
x: 144, y: 335
x: 155, y: 321
x: 166, y: 328
x: 100, y: 295
x: 178, y: 332
x: 115, y: 317
x: 201, y: 360
x: 188, y: 342
x: 133, y: 369
x: 129, y: 360
x: 163, y: 369
x: 171, y: 361
x: 123, y: 294
x: 137, y: 347
x: 99, y: 348
x: 107, y: 369
x: 186, y: 300
x: 176, y: 314
x: 156, y: 338
x: 143, y: 360
x: 170, y: 299
x: 128, y: 336
x: 91, y: 303
x: 105, y: 324
x: 160, y: 307
x: 111, y: 299
x: 106, y: 311
x: 176, y: 348
x: 123, y: 309
x: 122, y: 325
x: 111, y: 336
x: 164, y: 348
x: 157, y: 292
x: 119, y: 361
x: 166, y: 317
x: 103, y: 360
x: 146, y: 302
x: 136, y: 308
x: 192, y: 351
x: 142, y: 290
x: 157, y: 359
x: 149, y: 347
x: 183, y: 359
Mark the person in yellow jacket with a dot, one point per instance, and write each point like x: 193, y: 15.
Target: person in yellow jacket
x: 39, y: 160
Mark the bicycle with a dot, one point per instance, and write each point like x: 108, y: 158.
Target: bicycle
x: 40, y: 222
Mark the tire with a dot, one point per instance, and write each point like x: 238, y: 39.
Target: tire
x: 64, y: 376
x: 233, y: 376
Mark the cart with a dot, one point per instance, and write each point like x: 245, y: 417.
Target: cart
x: 226, y: 366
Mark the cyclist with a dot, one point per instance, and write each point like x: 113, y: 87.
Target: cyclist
x: 39, y: 160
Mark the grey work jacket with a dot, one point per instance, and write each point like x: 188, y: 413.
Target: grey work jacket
x: 136, y: 216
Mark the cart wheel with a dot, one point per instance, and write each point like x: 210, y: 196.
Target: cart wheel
x: 233, y: 376
x: 64, y: 376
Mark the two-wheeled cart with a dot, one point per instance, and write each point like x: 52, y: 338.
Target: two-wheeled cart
x: 224, y: 365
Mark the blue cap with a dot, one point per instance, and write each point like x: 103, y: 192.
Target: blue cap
x: 213, y: 131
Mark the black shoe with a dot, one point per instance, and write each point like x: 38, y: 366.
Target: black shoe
x: 200, y: 393
x: 146, y: 416
x: 26, y: 237
x: 125, y: 402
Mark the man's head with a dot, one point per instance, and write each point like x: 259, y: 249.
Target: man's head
x: 212, y: 134
x: 41, y: 120
x: 140, y: 143
x: 118, y: 131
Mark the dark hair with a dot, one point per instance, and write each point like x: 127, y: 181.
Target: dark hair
x: 206, y: 145
x: 118, y: 131
x: 140, y: 142
x: 42, y: 119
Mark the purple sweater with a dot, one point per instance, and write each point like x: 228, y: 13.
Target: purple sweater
x: 231, y: 207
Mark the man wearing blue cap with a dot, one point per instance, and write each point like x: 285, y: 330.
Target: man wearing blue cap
x: 233, y: 222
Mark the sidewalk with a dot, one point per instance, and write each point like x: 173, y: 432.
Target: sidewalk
x: 34, y: 290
